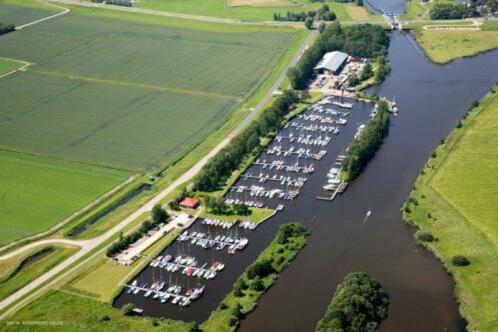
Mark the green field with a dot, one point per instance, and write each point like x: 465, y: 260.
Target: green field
x: 8, y: 65
x: 19, y: 12
x: 128, y: 95
x: 28, y: 272
x: 443, y: 46
x: 219, y: 8
x: 456, y: 201
x: 37, y: 192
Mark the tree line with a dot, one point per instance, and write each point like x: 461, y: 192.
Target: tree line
x: 362, y: 40
x: 214, y: 174
x: 363, y: 149
x: 322, y: 14
x: 159, y: 215
x: 359, y: 304
x: 452, y: 10
x: 6, y: 28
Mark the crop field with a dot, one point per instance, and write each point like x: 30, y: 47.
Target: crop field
x: 218, y: 8
x: 36, y: 192
x: 456, y: 202
x: 129, y: 95
x: 14, y: 12
x: 260, y: 3
x: 7, y: 65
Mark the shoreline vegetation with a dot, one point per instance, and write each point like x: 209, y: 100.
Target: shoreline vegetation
x: 362, y: 150
x: 359, y: 304
x: 257, y: 278
x: 453, y: 206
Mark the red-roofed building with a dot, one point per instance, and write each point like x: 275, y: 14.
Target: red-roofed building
x: 189, y: 203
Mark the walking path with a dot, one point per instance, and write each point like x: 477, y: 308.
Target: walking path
x: 25, y: 294
x: 64, y: 12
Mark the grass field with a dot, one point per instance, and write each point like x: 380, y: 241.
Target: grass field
x: 443, y: 46
x: 218, y: 8
x: 8, y: 65
x: 104, y: 279
x: 455, y: 201
x: 77, y: 313
x: 21, y: 12
x: 490, y: 26
x: 260, y: 3
x: 138, y: 94
x: 37, y: 192
x: 11, y: 282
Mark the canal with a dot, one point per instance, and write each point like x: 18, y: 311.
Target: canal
x: 431, y: 99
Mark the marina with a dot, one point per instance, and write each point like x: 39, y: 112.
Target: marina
x: 281, y: 171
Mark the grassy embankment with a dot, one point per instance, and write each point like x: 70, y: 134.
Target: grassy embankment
x: 242, y: 300
x: 218, y: 8
x: 445, y: 45
x: 454, y: 199
x: 20, y: 270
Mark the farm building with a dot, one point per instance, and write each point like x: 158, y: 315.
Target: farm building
x: 189, y: 203
x: 331, y: 63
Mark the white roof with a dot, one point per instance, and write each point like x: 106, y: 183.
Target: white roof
x: 332, y: 61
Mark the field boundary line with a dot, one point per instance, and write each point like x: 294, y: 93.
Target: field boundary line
x: 156, y: 88
x: 22, y: 68
x: 63, y: 223
x: 64, y: 12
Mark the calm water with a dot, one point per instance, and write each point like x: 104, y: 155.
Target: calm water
x: 431, y: 100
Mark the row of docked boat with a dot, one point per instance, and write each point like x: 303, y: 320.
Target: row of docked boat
x: 206, y: 241
x: 188, y: 266
x: 249, y: 203
x: 305, y: 139
x: 173, y: 292
x: 248, y: 225
x: 301, y: 153
x: 217, y: 222
x: 312, y: 128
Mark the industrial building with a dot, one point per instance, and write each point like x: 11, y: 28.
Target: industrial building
x: 332, y: 63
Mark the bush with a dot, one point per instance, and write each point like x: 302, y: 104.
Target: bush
x: 261, y: 269
x: 105, y: 318
x: 6, y: 28
x: 359, y: 304
x: 287, y: 231
x: 257, y: 284
x: 159, y: 215
x: 459, y: 260
x: 128, y: 309
x: 426, y: 237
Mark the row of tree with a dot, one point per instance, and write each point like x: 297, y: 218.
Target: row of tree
x: 322, y: 14
x: 363, y: 149
x: 6, y: 28
x: 359, y: 304
x: 452, y: 10
x: 214, y: 174
x: 362, y: 40
x: 159, y: 215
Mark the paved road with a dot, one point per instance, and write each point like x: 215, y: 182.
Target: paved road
x: 64, y: 11
x: 79, y: 243
x: 21, y: 297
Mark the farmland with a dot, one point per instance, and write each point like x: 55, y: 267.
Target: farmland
x: 260, y: 10
x: 36, y: 192
x: 455, y: 201
x: 18, y: 13
x: 137, y: 96
x: 8, y: 65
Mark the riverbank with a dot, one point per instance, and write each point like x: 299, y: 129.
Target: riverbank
x: 443, y: 45
x: 454, y: 201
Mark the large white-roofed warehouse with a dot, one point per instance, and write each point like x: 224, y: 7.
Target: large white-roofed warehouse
x: 331, y: 63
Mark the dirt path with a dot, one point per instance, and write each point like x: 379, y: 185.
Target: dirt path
x: 25, y: 294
